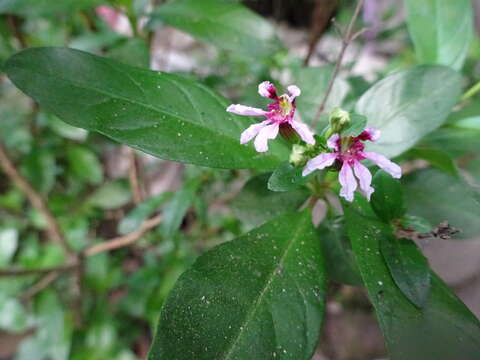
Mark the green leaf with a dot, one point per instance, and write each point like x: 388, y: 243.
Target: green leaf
x: 40, y: 169
x: 409, y: 104
x: 441, y: 30
x: 358, y: 124
x: 111, y: 195
x: 35, y: 8
x: 142, y: 212
x: 444, y: 329
x: 256, y: 204
x: 314, y: 83
x: 165, y: 115
x: 177, y: 207
x: 436, y: 157
x: 257, y: 297
x: 8, y: 245
x: 469, y: 123
x: 416, y: 223
x: 227, y: 25
x: 85, y: 165
x: 287, y: 177
x: 340, y: 263
x: 437, y: 197
x: 408, y: 267
x: 387, y: 200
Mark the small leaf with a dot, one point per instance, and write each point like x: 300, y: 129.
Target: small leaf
x: 287, y: 177
x: 166, y: 115
x: 358, y: 124
x: 408, y: 267
x: 111, y: 195
x: 256, y: 204
x: 40, y: 169
x: 398, y: 106
x: 314, y: 83
x: 260, y: 296
x: 387, y: 200
x: 441, y: 30
x: 439, y: 197
x: 141, y: 212
x: 177, y: 207
x: 8, y: 245
x: 228, y: 25
x: 416, y: 223
x: 436, y: 157
x: 85, y: 165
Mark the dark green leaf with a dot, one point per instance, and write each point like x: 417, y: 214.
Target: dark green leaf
x: 387, y: 200
x: 340, y: 263
x: 444, y: 329
x: 111, y: 195
x: 408, y: 267
x: 314, y: 83
x: 177, y: 207
x: 141, y: 212
x: 258, y: 297
x: 40, y: 169
x: 225, y: 24
x: 165, y: 115
x: 441, y: 30
x: 436, y: 157
x: 44, y: 7
x: 85, y: 165
x: 409, y: 104
x: 256, y: 204
x: 437, y: 197
x: 358, y: 124
x: 286, y: 178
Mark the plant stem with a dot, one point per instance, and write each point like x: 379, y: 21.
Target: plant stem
x: 347, y: 39
x: 470, y: 92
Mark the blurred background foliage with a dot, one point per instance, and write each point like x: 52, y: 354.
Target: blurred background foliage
x: 98, y: 190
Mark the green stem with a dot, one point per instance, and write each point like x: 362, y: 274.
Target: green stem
x: 470, y: 92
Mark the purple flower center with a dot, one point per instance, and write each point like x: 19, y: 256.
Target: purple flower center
x: 282, y: 110
x: 350, y: 149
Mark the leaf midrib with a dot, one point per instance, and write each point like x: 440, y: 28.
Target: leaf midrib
x: 260, y: 296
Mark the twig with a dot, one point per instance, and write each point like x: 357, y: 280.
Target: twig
x: 125, y: 240
x: 37, y: 201
x: 112, y: 244
x: 345, y: 42
x: 133, y: 177
x: 470, y: 92
x: 43, y: 283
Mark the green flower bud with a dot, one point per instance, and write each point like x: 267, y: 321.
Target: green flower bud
x: 298, y: 155
x: 339, y: 120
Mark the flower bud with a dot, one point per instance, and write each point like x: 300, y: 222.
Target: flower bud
x: 339, y: 120
x: 298, y: 155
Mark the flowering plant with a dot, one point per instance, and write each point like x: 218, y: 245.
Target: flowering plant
x: 214, y: 230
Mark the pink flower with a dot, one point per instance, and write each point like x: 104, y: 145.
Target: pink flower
x: 280, y: 116
x: 349, y: 151
x: 117, y: 21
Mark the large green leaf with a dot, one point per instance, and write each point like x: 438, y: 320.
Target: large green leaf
x: 165, y: 115
x: 225, y: 24
x: 437, y: 197
x: 409, y: 104
x: 444, y: 329
x: 441, y: 30
x: 258, y: 297
x: 387, y: 200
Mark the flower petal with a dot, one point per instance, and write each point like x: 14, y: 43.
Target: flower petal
x: 385, y: 164
x: 364, y: 178
x: 370, y: 134
x: 252, y: 131
x: 319, y: 162
x: 305, y: 133
x: 294, y: 91
x: 332, y: 142
x: 266, y: 133
x: 348, y: 182
x: 245, y: 110
x: 267, y: 89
